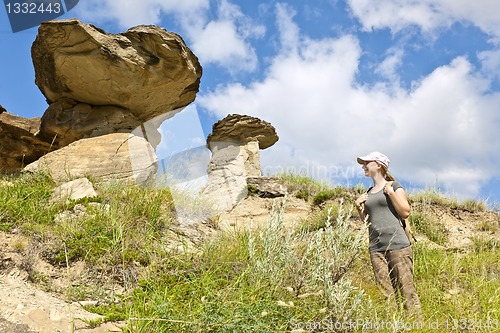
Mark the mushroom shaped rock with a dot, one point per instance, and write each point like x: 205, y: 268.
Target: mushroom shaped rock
x: 235, y: 143
x: 99, y: 78
x: 243, y: 135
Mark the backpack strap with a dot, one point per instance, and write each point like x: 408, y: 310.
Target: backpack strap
x: 405, y: 223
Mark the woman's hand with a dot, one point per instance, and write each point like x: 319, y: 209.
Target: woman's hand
x: 388, y: 189
x: 399, y: 200
x: 361, y: 200
x: 360, y: 206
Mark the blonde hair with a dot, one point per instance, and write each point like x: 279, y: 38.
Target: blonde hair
x: 387, y: 175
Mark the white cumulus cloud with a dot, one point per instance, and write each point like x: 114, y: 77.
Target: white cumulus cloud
x: 444, y: 128
x: 491, y: 63
x: 128, y: 13
x: 223, y: 40
x: 428, y: 15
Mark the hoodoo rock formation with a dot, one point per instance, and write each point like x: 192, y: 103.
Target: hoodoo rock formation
x: 97, y: 84
x: 235, y: 143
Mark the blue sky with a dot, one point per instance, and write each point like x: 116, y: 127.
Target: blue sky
x: 416, y: 80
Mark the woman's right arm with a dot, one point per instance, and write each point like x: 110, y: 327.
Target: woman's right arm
x: 360, y: 206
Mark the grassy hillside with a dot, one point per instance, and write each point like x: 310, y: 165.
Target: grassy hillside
x: 142, y: 269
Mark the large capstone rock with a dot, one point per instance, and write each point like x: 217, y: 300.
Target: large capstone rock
x: 241, y: 129
x: 19, y: 145
x: 98, y: 83
x: 119, y: 156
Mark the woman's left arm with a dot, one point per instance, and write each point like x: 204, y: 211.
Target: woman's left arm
x: 399, y: 200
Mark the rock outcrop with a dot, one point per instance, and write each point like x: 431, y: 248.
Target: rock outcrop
x: 19, y: 144
x: 98, y: 83
x: 235, y: 143
x: 119, y: 156
x: 266, y: 187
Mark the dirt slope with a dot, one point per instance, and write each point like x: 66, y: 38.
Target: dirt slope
x: 26, y: 307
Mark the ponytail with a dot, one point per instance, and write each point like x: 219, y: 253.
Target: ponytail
x: 387, y: 175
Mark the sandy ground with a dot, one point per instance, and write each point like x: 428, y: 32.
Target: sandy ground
x: 24, y: 308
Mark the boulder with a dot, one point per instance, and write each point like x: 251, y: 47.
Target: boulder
x: 104, y: 83
x: 119, y: 156
x: 235, y: 143
x: 76, y: 189
x: 19, y: 145
x: 30, y: 125
x: 266, y: 187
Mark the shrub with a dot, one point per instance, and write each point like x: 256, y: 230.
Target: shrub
x: 303, y: 194
x: 323, y: 196
x: 314, y: 261
x: 316, y: 221
x: 257, y: 281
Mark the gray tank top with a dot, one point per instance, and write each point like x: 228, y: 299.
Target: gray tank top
x: 386, y: 232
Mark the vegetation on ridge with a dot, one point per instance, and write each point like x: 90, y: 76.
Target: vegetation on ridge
x: 315, y: 278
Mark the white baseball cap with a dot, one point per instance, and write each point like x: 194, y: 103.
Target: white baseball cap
x: 375, y: 156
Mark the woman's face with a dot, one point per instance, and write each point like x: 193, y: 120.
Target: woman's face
x: 370, y: 168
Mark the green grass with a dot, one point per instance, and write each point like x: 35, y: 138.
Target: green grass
x: 26, y: 204
x: 124, y: 230
x: 434, y: 197
x: 317, y: 220
x: 266, y: 280
x: 455, y: 289
x: 318, y: 192
x: 488, y: 226
x: 260, y: 281
x: 429, y: 226
x: 302, y: 186
x: 457, y: 286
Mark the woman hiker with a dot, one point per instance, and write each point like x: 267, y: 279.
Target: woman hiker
x: 391, y: 255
